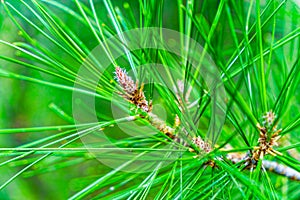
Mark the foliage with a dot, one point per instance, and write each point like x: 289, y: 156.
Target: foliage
x: 44, y: 45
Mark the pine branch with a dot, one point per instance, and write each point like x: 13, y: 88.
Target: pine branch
x: 136, y: 96
x: 269, y: 135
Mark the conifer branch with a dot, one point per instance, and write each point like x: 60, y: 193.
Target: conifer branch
x: 136, y: 96
x: 268, y: 133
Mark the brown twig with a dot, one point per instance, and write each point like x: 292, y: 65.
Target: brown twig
x: 136, y: 96
x: 268, y: 135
